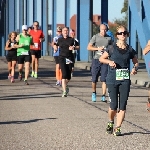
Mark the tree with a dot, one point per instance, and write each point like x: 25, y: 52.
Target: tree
x: 95, y: 28
x: 121, y: 21
x: 124, y: 20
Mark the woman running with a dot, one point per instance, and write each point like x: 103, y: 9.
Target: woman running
x: 11, y: 55
x: 118, y: 56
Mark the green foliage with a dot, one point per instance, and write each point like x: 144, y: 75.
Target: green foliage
x: 124, y: 20
x: 95, y: 29
x: 125, y: 7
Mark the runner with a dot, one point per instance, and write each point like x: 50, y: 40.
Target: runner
x: 38, y: 38
x: 118, y: 77
x: 98, y: 44
x: 76, y: 44
x: 145, y: 51
x: 56, y: 56
x: 29, y: 29
x: 11, y: 55
x: 23, y: 52
x: 66, y: 45
x: 109, y: 32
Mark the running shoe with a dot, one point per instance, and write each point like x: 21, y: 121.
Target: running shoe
x: 35, y: 76
x: 57, y: 83
x: 109, y: 129
x: 12, y: 79
x: 20, y: 77
x: 64, y: 94
x: 67, y: 89
x: 26, y: 82
x: 103, y: 98
x: 93, y: 97
x: 32, y: 74
x: 9, y: 77
x: 117, y: 131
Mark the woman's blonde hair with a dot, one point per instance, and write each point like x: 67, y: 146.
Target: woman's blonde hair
x: 119, y: 27
x: 9, y: 35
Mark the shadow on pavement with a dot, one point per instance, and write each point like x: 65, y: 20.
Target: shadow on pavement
x: 131, y: 133
x: 22, y: 97
x: 27, y: 121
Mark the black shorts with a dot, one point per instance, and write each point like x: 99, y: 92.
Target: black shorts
x: 24, y: 58
x: 65, y: 68
x: 11, y: 56
x: 56, y: 59
x: 37, y: 53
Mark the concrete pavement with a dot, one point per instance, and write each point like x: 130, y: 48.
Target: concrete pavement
x: 36, y: 117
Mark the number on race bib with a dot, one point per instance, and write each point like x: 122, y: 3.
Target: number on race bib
x: 36, y: 45
x: 68, y: 61
x: 122, y: 74
x: 25, y: 53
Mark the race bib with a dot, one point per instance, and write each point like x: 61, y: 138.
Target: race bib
x: 25, y: 53
x: 12, y: 44
x: 100, y: 52
x: 122, y: 74
x: 68, y: 61
x: 36, y: 45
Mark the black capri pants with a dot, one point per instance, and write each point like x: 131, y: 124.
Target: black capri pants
x: 65, y: 68
x: 119, y: 95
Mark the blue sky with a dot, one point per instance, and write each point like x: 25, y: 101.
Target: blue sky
x: 114, y: 7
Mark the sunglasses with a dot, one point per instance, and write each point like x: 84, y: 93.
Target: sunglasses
x: 124, y: 33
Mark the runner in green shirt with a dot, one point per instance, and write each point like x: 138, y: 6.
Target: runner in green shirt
x: 23, y: 52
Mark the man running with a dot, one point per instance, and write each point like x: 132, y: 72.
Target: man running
x: 56, y: 56
x: 98, y: 43
x: 66, y: 45
x: 38, y: 38
x: 76, y: 44
x: 23, y: 52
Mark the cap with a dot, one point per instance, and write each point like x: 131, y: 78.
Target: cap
x: 24, y: 27
x: 59, y: 28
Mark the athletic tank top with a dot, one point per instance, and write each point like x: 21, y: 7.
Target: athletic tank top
x: 26, y: 41
x: 11, y: 43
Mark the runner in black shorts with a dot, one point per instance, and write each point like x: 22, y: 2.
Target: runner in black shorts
x: 38, y: 38
x: 23, y: 52
x: 76, y: 44
x: 66, y: 45
x: 11, y: 55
